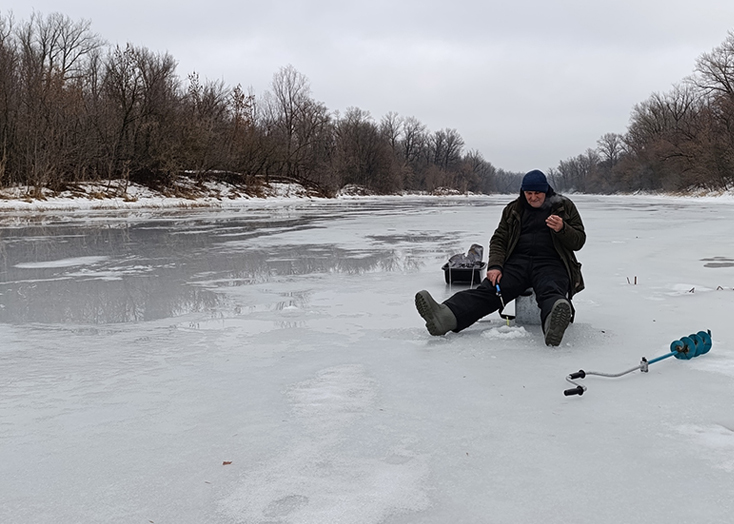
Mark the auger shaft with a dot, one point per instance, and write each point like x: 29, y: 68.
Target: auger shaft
x: 686, y: 348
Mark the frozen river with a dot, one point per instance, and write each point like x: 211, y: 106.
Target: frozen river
x: 265, y: 364
x: 96, y: 267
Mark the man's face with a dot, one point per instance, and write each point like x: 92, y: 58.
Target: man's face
x: 535, y: 198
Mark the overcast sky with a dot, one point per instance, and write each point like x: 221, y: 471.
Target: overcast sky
x: 527, y: 83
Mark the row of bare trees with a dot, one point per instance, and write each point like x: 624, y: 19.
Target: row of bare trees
x: 676, y: 141
x: 74, y: 109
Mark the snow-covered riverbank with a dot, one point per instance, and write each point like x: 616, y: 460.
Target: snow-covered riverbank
x: 128, y: 195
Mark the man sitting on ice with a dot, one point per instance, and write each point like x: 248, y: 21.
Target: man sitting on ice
x: 532, y: 247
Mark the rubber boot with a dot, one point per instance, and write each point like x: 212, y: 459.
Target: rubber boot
x: 556, y: 322
x: 439, y: 318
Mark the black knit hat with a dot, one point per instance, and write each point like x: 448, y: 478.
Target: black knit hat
x: 535, y: 180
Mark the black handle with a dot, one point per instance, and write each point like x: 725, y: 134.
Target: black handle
x: 574, y: 391
x: 579, y: 374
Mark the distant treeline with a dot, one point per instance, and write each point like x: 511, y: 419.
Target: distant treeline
x: 74, y: 109
x: 676, y: 141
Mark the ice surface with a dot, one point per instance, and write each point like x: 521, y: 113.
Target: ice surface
x: 265, y: 364
x: 64, y: 262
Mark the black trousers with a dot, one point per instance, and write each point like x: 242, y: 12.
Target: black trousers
x: 547, y: 276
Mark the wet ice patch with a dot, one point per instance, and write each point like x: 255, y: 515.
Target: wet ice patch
x: 117, y: 273
x: 64, y: 262
x: 717, y: 441
x: 317, y: 479
x: 505, y: 333
x: 315, y: 484
x: 335, y: 397
x: 715, y: 262
x: 284, y: 506
x: 717, y: 362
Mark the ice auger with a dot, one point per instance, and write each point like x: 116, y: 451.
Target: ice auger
x: 685, y: 348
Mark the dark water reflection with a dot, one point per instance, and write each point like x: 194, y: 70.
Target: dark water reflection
x: 718, y: 262
x: 104, y: 267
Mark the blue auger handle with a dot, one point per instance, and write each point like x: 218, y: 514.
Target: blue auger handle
x: 658, y: 359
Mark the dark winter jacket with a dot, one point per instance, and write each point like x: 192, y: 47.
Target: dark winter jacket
x: 569, y: 239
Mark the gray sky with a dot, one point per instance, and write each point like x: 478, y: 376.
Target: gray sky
x: 528, y: 83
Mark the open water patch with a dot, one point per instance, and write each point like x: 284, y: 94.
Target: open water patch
x: 718, y: 262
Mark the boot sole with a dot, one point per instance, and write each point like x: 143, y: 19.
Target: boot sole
x: 560, y: 316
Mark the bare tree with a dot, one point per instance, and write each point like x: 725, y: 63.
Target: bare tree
x: 291, y: 91
x: 415, y: 140
x: 477, y: 174
x: 391, y: 127
x: 53, y: 60
x: 415, y: 148
x: 9, y: 89
x: 610, y: 147
x: 575, y: 174
x: 297, y: 127
x: 365, y: 156
x: 669, y: 135
x: 142, y: 88
x: 715, y: 70
x: 447, y: 145
x: 715, y: 75
x: 204, y: 124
